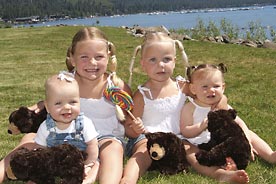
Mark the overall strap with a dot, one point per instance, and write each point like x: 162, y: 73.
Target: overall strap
x: 50, y: 122
x: 79, y: 123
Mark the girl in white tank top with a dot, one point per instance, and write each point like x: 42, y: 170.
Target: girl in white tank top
x: 157, y: 103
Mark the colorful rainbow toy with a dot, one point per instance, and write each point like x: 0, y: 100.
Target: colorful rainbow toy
x: 120, y: 98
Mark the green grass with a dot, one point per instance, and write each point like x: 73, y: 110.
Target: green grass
x: 30, y: 55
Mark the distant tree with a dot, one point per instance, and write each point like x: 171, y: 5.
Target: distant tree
x: 11, y: 9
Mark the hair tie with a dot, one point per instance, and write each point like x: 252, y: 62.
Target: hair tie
x: 113, y: 57
x: 63, y: 75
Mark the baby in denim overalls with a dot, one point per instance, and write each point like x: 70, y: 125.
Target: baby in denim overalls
x: 65, y: 123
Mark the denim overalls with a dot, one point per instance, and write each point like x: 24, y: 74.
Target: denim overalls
x: 75, y: 138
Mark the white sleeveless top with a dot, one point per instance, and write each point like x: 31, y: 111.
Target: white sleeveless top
x: 198, y: 116
x: 163, y: 114
x: 103, y: 115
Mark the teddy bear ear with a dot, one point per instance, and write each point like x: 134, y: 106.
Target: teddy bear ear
x: 11, y: 117
x: 149, y: 135
x: 24, y: 112
x: 210, y: 114
x: 233, y: 112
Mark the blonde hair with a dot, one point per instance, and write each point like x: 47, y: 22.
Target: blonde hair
x: 63, y: 78
x: 157, y: 36
x: 93, y: 33
x: 199, y: 70
x: 68, y: 63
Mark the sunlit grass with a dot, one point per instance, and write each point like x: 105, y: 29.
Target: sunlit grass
x: 30, y: 55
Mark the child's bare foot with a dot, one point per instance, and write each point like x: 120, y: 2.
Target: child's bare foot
x: 230, y: 164
x: 272, y: 158
x: 238, y: 177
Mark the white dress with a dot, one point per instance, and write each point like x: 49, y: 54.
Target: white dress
x: 198, y: 116
x: 163, y: 114
x: 103, y: 115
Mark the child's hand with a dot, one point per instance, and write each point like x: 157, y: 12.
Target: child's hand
x: 138, y: 126
x: 90, y: 172
x: 222, y: 104
x: 252, y: 152
x: 37, y: 107
x: 204, y: 124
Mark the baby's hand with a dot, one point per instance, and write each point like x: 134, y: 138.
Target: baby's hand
x: 204, y: 124
x: 37, y: 107
x: 138, y: 126
x: 252, y: 152
x: 90, y: 172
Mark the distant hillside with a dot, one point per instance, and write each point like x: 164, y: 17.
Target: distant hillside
x: 11, y: 9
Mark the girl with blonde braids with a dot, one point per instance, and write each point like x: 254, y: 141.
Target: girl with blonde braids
x: 157, y: 103
x: 88, y: 58
x: 90, y: 53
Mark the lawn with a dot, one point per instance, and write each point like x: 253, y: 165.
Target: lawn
x: 30, y: 55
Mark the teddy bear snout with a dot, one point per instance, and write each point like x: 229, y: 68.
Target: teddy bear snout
x: 13, y: 129
x: 154, y: 154
x: 157, y: 152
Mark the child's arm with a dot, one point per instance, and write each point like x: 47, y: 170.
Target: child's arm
x: 135, y: 127
x: 222, y: 104
x: 185, y: 86
x: 187, y: 127
x: 91, y: 163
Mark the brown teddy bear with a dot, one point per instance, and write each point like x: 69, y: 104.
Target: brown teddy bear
x: 59, y: 164
x: 167, y: 153
x: 227, y: 140
x: 23, y: 120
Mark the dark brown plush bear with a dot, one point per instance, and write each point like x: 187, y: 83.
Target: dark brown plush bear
x: 167, y: 153
x: 23, y: 120
x: 59, y: 164
x: 227, y: 140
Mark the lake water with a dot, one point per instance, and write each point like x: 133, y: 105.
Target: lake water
x: 265, y: 16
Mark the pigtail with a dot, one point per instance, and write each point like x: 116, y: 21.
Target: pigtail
x: 183, y: 54
x: 113, y: 61
x: 222, y: 67
x: 189, y: 72
x: 115, y: 79
x: 136, y: 50
x: 68, y: 62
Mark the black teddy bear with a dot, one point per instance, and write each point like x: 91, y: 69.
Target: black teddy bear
x: 24, y: 120
x: 167, y: 153
x: 59, y: 164
x: 227, y: 140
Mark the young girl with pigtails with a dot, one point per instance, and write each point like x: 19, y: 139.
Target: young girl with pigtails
x: 157, y: 103
x: 207, y: 85
x: 157, y: 106
x: 90, y: 53
x: 88, y: 58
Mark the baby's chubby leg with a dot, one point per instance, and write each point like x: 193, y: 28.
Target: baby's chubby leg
x: 220, y: 174
x: 261, y: 148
